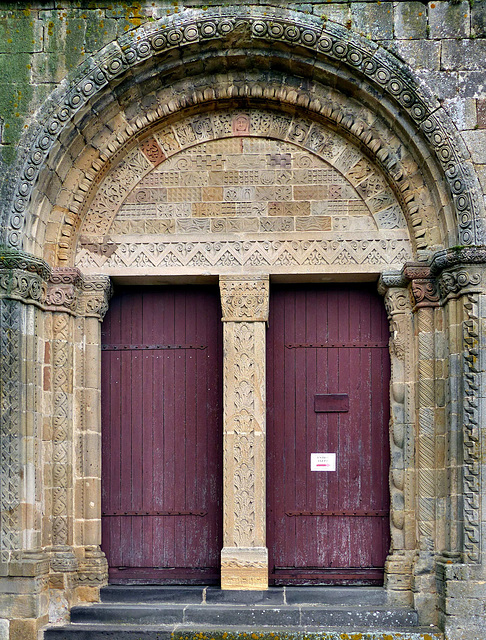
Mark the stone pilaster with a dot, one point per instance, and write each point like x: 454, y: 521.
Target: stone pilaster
x: 23, y: 563
x: 425, y: 301
x: 92, y: 565
x: 460, y: 569
x: 244, y: 557
x: 398, y: 570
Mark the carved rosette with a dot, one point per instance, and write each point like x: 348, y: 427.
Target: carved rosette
x: 245, y: 310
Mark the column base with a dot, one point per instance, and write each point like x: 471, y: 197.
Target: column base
x: 244, y: 568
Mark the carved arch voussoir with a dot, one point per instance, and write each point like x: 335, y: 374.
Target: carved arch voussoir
x: 254, y: 29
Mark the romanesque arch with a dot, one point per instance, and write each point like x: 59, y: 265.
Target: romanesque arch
x: 344, y: 115
x: 366, y: 72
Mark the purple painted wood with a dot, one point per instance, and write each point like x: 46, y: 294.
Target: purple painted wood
x: 327, y: 351
x: 331, y: 402
x: 162, y: 435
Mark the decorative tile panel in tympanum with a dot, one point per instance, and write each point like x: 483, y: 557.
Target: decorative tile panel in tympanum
x: 307, y: 201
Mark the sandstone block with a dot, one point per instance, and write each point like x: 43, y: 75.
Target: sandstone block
x: 463, y: 54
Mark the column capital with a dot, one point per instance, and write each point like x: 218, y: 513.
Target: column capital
x: 72, y: 292
x: 423, y: 285
x: 244, y: 298
x: 94, y: 297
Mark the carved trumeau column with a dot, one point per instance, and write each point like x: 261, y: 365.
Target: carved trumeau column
x: 244, y: 557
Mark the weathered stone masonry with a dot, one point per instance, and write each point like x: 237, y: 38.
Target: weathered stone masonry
x: 336, y: 141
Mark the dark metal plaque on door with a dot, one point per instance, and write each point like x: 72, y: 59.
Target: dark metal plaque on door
x: 331, y: 402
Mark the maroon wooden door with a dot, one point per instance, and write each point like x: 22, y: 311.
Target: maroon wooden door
x: 162, y: 435
x: 327, y: 392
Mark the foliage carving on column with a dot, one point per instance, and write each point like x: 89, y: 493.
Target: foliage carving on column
x: 245, y: 310
x: 244, y: 298
x: 244, y: 302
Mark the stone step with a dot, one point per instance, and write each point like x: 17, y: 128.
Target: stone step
x: 274, y: 595
x: 208, y: 613
x: 231, y: 615
x: 185, y: 632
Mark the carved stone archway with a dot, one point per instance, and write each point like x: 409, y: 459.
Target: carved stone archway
x: 57, y: 209
x: 368, y: 70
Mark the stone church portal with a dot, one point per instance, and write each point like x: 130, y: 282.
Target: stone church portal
x: 233, y: 238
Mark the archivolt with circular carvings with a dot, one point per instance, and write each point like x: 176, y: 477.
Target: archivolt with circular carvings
x: 253, y: 29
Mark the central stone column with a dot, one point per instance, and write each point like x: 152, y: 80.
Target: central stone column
x: 244, y: 557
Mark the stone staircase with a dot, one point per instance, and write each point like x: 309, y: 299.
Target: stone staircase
x: 207, y: 613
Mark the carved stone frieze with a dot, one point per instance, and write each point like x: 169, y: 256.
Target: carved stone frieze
x: 332, y: 43
x: 297, y: 253
x: 244, y: 299
x: 16, y: 259
x: 10, y: 427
